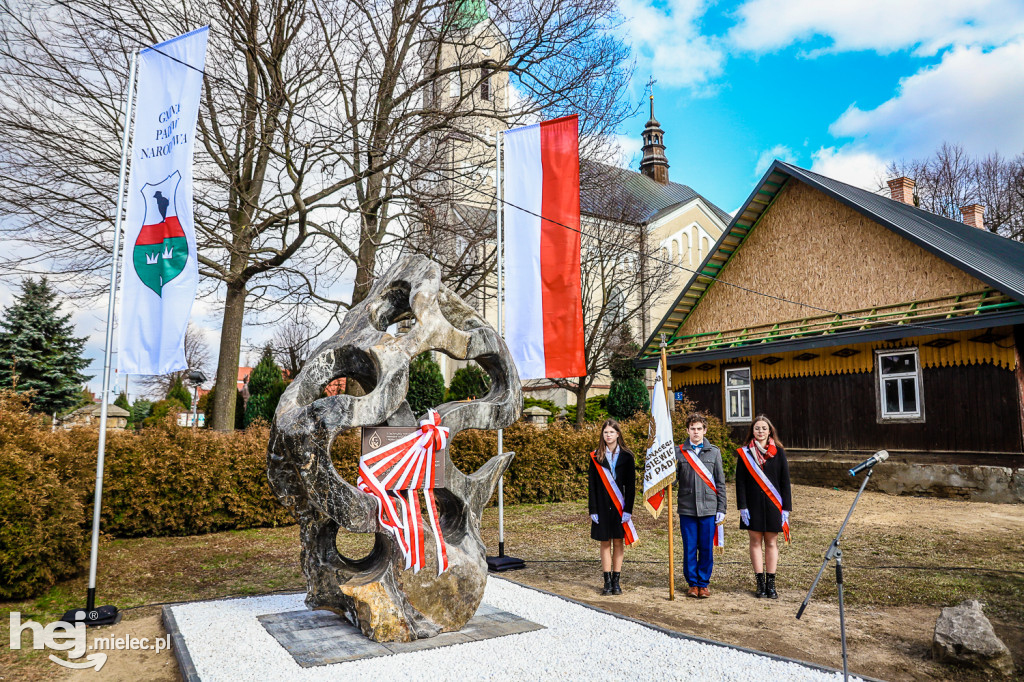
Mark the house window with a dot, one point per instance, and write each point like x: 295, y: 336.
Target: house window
x: 899, y: 385
x: 485, y: 83
x: 737, y: 394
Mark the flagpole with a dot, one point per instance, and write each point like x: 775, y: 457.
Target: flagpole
x: 500, y: 562
x: 668, y: 496
x: 106, y: 615
x: 501, y: 291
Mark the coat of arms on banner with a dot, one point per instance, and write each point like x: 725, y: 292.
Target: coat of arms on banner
x: 161, y: 249
x: 660, y: 463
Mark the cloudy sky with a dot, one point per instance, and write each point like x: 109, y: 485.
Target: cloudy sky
x: 840, y: 87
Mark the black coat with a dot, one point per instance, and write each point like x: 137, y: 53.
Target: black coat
x: 764, y: 517
x: 609, y: 523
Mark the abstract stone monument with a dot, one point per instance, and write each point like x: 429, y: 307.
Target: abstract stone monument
x: 389, y: 602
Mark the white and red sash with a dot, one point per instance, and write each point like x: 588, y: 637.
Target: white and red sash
x: 407, y: 464
x: 769, y: 489
x: 617, y: 498
x: 705, y: 475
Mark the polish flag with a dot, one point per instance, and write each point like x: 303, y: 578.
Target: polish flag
x: 543, y: 301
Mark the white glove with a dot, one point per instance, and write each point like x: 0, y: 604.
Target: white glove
x: 593, y: 517
x: 626, y: 516
x: 719, y: 517
x: 785, y: 517
x: 745, y: 516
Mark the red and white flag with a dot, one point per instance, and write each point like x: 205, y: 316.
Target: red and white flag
x: 543, y: 298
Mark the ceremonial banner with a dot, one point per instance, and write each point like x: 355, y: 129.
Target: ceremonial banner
x: 660, y: 464
x: 543, y: 301
x: 161, y: 271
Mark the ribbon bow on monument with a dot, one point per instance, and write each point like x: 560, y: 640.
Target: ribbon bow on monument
x: 407, y: 465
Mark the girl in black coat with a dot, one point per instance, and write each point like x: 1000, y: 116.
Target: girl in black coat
x: 758, y: 514
x: 606, y: 522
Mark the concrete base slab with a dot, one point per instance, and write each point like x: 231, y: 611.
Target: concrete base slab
x: 321, y: 637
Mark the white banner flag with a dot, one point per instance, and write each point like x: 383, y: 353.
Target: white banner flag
x: 660, y: 465
x: 161, y: 272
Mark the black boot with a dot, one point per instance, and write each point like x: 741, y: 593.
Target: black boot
x: 615, y: 583
x: 760, y: 585
x: 607, y: 583
x: 769, y: 586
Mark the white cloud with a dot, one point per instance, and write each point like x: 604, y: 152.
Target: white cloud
x: 779, y: 151
x: 850, y: 164
x: 973, y: 97
x: 628, y: 150
x: 885, y: 26
x: 667, y: 41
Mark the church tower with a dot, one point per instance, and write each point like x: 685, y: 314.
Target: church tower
x: 654, y: 164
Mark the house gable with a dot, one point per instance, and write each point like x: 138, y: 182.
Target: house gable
x: 810, y: 248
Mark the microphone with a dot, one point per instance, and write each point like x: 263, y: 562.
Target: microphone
x: 871, y: 461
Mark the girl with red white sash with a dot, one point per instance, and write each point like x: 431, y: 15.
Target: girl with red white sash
x: 764, y: 499
x: 612, y: 482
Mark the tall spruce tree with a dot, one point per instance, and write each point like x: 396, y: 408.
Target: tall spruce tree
x: 39, y: 351
x: 468, y: 382
x: 265, y: 388
x: 628, y: 394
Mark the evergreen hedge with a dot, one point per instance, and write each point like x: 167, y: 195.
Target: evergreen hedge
x: 166, y: 480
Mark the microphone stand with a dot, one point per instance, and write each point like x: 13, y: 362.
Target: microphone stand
x: 834, y: 552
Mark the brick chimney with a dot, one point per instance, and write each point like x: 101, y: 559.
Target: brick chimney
x: 902, y: 189
x: 974, y: 215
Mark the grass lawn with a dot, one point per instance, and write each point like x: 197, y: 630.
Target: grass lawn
x: 905, y: 558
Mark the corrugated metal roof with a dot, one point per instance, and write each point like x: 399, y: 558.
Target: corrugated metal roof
x: 995, y: 260
x: 621, y: 194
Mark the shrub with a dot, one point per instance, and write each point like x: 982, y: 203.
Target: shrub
x: 468, y: 382
x: 178, y: 392
x: 141, y: 409
x: 41, y: 536
x: 596, y: 410
x: 265, y: 388
x: 426, y: 385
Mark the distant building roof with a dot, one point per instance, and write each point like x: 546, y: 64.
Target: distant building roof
x: 617, y: 193
x: 94, y: 410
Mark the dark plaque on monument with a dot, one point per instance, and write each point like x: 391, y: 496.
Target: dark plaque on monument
x: 375, y: 437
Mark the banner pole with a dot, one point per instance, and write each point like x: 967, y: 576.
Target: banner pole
x: 107, y: 614
x: 500, y: 562
x: 668, y: 497
x: 501, y: 291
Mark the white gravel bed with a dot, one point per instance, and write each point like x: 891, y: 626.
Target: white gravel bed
x: 227, y: 642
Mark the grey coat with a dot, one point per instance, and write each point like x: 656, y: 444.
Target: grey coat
x: 695, y: 497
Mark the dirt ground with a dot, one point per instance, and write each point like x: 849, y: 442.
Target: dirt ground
x: 905, y: 559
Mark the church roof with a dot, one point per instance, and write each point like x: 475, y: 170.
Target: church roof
x: 617, y: 193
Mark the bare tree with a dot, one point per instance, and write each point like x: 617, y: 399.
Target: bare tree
x: 952, y: 179
x: 321, y: 129
x: 292, y: 343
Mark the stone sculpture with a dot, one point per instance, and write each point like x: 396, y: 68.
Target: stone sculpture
x: 377, y: 593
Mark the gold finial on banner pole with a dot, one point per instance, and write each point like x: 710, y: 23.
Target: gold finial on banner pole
x: 668, y: 495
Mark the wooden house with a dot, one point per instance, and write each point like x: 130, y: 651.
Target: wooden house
x: 857, y: 323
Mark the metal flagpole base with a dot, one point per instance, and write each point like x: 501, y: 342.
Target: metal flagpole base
x: 91, y: 615
x: 500, y: 563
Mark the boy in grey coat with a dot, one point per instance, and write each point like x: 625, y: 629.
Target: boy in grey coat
x: 702, y: 504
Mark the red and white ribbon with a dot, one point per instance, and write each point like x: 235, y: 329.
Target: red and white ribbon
x: 407, y: 465
x: 769, y: 489
x: 617, y: 498
x: 705, y: 475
